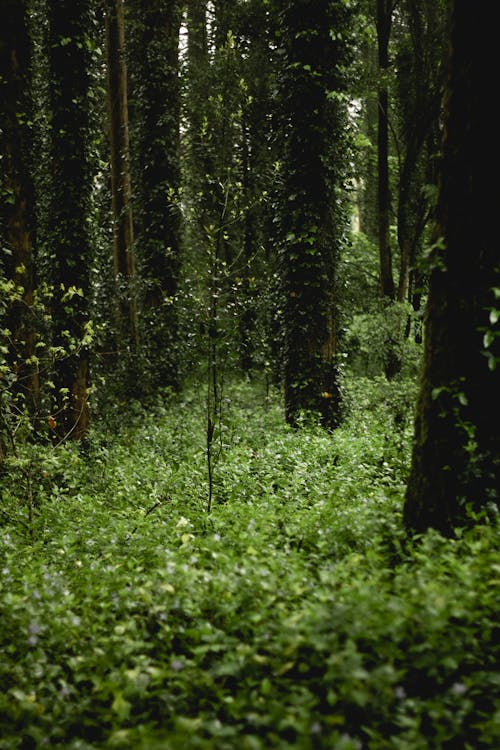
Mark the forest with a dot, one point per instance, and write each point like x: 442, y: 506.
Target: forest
x: 249, y: 375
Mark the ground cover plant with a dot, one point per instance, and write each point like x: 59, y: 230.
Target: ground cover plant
x: 296, y: 614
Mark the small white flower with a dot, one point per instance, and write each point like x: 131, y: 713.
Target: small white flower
x: 458, y: 688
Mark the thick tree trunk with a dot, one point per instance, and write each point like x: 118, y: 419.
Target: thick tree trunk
x: 156, y: 123
x: 311, y: 215
x: 69, y: 61
x: 456, y: 455
x: 17, y: 213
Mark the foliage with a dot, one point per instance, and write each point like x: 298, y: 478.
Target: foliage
x: 295, y: 615
x: 297, y: 612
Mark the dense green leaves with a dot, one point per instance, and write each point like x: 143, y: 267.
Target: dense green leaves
x: 297, y: 612
x: 296, y: 615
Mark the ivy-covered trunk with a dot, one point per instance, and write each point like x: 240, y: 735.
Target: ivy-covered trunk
x: 17, y: 203
x: 312, y: 216
x: 69, y: 45
x: 456, y: 455
x: 121, y: 192
x: 155, y: 121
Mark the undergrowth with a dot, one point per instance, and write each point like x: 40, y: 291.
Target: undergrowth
x: 296, y: 614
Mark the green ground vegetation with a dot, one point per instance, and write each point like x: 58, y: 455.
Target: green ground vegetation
x: 297, y: 614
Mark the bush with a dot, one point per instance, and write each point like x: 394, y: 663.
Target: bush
x: 296, y: 614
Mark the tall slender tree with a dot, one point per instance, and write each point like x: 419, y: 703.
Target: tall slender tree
x: 456, y: 454
x: 121, y: 192
x: 384, y: 25
x: 314, y: 51
x: 70, y: 25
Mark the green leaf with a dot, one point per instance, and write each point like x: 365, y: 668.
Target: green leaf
x: 488, y: 339
x: 121, y: 707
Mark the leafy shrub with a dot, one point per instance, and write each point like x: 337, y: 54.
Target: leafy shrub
x: 296, y: 614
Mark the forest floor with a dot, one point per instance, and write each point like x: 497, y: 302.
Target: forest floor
x: 296, y: 614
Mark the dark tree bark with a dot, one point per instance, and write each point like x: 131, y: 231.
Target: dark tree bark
x: 456, y: 455
x: 69, y: 62
x: 311, y: 213
x: 17, y: 198
x: 154, y: 48
x: 123, y: 226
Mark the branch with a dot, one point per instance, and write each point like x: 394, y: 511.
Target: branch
x: 147, y: 513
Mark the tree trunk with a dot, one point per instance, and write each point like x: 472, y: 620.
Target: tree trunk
x: 17, y: 212
x: 456, y: 455
x: 248, y: 315
x: 392, y: 359
x: 384, y: 23
x: 311, y: 214
x: 123, y: 227
x: 156, y: 121
x: 69, y: 60
x: 420, y: 82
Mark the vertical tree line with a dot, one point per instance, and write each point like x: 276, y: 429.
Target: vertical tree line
x: 234, y: 131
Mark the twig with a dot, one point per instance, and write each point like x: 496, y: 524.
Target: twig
x: 147, y: 513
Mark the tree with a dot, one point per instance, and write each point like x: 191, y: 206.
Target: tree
x: 123, y: 225
x: 420, y: 56
x: 314, y: 48
x: 69, y: 44
x: 155, y: 108
x: 410, y: 42
x: 256, y: 31
x: 17, y: 200
x: 419, y: 77
x: 384, y: 24
x: 456, y: 454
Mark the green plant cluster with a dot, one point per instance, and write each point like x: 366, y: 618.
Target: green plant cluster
x: 297, y: 614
